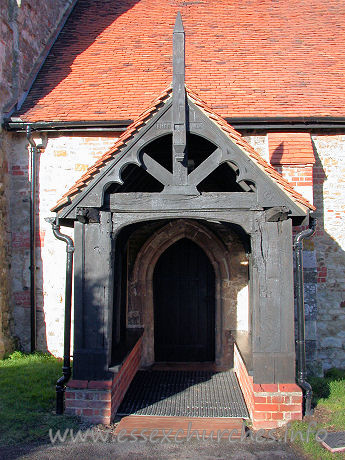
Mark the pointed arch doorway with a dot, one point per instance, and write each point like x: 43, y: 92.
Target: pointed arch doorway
x: 184, y: 304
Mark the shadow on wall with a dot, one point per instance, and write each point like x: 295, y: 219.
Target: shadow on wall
x: 324, y: 273
x: 20, y: 257
x: 330, y: 258
x: 324, y: 309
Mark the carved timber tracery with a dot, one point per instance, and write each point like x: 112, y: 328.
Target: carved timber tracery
x: 206, y: 169
x: 171, y: 194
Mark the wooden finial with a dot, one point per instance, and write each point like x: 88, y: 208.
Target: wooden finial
x: 178, y: 23
x: 179, y: 104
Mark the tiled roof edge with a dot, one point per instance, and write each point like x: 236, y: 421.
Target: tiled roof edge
x: 235, y: 136
x: 17, y: 103
x: 121, y: 142
x: 246, y: 147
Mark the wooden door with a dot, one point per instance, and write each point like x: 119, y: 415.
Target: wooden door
x: 184, y: 304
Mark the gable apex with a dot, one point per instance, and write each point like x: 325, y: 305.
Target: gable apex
x: 156, y: 121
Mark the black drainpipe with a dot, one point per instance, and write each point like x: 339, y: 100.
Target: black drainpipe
x: 301, y: 359
x: 66, y: 369
x: 33, y: 153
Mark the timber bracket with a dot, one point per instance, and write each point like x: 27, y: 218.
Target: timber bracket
x: 88, y: 215
x: 277, y: 214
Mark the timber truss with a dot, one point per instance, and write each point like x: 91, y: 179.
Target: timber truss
x: 182, y: 119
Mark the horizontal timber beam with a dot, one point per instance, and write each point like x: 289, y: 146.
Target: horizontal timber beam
x: 156, y: 202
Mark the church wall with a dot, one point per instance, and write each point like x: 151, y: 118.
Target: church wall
x: 324, y: 258
x: 25, y: 29
x: 66, y: 157
x: 329, y: 246
x: 60, y: 164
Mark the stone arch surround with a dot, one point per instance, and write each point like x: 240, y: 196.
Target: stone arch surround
x: 229, y: 276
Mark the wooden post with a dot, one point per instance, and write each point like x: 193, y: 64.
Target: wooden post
x: 273, y: 303
x: 93, y: 299
x: 180, y: 161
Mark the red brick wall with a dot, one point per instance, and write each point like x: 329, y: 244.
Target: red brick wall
x: 290, y: 148
x: 292, y: 155
x: 269, y: 405
x: 124, y: 377
x: 245, y: 380
x: 275, y: 405
x: 97, y: 401
x: 297, y: 175
x: 90, y: 403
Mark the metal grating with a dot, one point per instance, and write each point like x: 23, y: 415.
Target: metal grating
x: 184, y: 394
x: 335, y: 442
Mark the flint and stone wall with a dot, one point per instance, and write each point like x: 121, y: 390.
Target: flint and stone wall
x: 25, y: 29
x: 323, y: 183
x: 329, y: 246
x: 61, y: 163
x: 7, y: 342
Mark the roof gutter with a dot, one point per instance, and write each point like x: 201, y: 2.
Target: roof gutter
x: 286, y: 123
x: 245, y: 123
x: 18, y: 125
x: 16, y: 104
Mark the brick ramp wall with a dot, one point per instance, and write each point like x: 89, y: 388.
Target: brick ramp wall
x: 245, y: 380
x: 97, y: 401
x: 124, y: 377
x: 269, y: 405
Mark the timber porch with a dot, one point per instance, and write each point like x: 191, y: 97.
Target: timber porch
x: 183, y: 232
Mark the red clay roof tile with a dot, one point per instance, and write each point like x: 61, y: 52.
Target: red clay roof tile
x: 247, y: 58
x: 290, y: 148
x: 248, y: 149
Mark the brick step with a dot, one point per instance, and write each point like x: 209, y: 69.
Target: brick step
x: 181, y: 427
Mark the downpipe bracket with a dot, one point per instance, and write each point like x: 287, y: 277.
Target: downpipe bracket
x: 300, y: 342
x: 66, y: 369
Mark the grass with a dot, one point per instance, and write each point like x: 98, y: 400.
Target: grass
x: 27, y: 398
x: 329, y: 398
